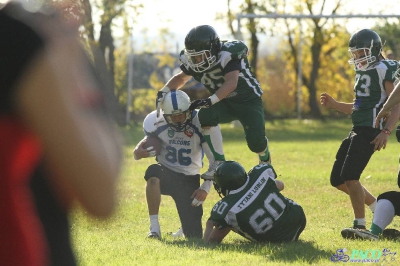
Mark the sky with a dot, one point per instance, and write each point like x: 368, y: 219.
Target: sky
x: 179, y: 16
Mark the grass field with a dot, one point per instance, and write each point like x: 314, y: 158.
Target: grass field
x: 302, y: 154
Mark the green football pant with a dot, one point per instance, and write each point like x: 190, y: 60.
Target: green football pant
x: 249, y: 113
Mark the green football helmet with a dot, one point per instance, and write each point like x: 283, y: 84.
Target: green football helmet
x: 202, y: 45
x: 229, y: 175
x: 370, y: 43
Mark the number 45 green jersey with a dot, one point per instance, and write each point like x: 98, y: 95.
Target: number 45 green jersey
x: 258, y: 211
x: 232, y: 56
x: 370, y: 93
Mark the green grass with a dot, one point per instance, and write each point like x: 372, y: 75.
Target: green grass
x: 302, y: 152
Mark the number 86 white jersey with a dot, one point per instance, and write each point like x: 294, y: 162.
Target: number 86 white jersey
x: 181, y: 152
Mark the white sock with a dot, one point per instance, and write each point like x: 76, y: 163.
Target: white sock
x: 154, y: 225
x: 372, y: 206
x: 384, y: 213
x: 216, y: 138
x: 359, y: 221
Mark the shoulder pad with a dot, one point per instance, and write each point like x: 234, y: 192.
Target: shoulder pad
x: 151, y: 122
x: 259, y: 169
x: 237, y: 49
x: 183, y: 59
x: 390, y: 64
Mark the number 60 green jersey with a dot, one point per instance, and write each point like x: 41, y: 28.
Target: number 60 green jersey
x: 258, y: 211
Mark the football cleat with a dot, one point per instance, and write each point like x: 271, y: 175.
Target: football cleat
x: 209, y: 175
x: 154, y: 235
x: 355, y: 233
x: 391, y: 234
x: 178, y: 234
x: 348, y: 233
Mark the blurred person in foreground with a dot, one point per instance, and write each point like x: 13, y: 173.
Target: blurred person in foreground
x: 374, y: 77
x: 253, y: 206
x: 177, y: 172
x: 57, y: 143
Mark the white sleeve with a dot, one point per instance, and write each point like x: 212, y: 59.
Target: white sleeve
x: 206, y: 186
x: 150, y: 122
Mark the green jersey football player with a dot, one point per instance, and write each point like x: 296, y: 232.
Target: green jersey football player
x: 223, y: 68
x: 253, y: 206
x: 373, y: 84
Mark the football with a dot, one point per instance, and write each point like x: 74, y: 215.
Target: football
x: 154, y: 142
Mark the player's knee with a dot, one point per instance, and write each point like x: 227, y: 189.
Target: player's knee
x: 153, y: 182
x: 398, y: 178
x: 391, y: 196
x: 337, y: 182
x: 256, y: 145
x: 207, y: 118
x: 153, y: 170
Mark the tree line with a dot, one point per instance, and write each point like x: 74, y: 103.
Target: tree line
x: 324, y: 54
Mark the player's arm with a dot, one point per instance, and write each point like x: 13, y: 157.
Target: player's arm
x: 381, y: 140
x: 230, y: 84
x: 392, y: 101
x: 140, y: 152
x: 329, y: 102
x: 176, y: 82
x: 394, y: 116
x: 231, y: 77
x: 214, y: 235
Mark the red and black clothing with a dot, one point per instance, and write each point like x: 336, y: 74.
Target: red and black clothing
x: 34, y: 227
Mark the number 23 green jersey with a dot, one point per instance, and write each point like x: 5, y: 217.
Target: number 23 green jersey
x: 257, y: 210
x: 370, y: 94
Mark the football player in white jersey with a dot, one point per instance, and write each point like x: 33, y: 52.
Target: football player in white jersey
x: 177, y: 171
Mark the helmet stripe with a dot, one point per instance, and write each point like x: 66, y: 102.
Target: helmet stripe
x: 174, y: 100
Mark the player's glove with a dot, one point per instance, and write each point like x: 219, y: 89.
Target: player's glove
x: 398, y: 133
x: 196, y: 203
x: 196, y: 104
x: 160, y: 98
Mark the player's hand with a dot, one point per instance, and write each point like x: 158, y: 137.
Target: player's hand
x: 198, y: 196
x: 196, y: 104
x: 160, y: 98
x: 382, y: 114
x: 380, y: 141
x: 326, y: 100
x: 140, y: 152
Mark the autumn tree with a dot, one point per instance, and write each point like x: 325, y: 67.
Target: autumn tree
x: 390, y: 35
x: 252, y: 24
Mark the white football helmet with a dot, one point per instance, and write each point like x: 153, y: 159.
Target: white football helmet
x: 175, y: 103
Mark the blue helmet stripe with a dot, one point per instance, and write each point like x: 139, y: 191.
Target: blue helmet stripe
x: 174, y: 100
